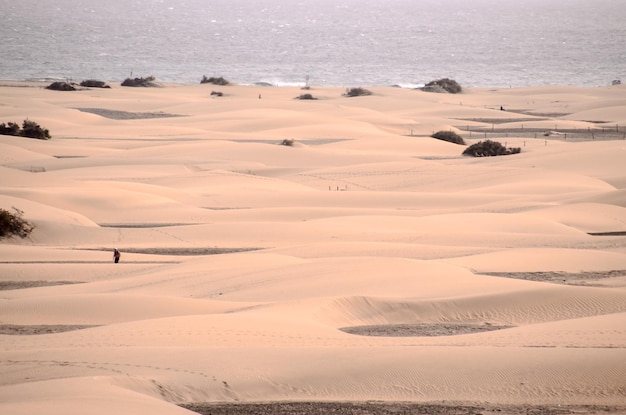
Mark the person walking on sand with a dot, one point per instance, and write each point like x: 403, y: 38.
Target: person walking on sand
x: 116, y: 255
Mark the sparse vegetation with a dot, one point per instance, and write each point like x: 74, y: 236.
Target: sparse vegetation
x: 92, y: 83
x: 29, y: 129
x: 143, y: 82
x: 214, y: 80
x: 33, y: 130
x: 10, y: 129
x: 450, y: 136
x: 217, y: 93
x: 443, y: 85
x: 357, y: 92
x: 306, y: 96
x: 489, y: 148
x: 287, y: 142
x: 13, y: 224
x: 61, y: 86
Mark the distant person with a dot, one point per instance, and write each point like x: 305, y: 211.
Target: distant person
x: 116, y: 255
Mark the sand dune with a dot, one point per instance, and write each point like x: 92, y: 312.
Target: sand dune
x: 365, y: 261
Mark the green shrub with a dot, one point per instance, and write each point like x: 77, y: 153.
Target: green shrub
x: 489, y: 148
x: 61, y: 86
x: 443, y: 85
x: 145, y: 82
x: 306, y: 96
x: 33, y: 130
x: 12, y: 223
x: 450, y: 136
x: 10, y: 129
x: 214, y: 80
x: 357, y: 92
x: 29, y: 129
x: 92, y: 83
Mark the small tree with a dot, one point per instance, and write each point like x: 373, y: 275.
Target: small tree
x: 449, y: 136
x: 12, y: 223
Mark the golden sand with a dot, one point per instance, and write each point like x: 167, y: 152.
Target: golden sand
x: 365, y: 261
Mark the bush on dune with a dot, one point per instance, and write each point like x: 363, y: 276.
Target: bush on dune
x: 12, y: 224
x: 489, y: 148
x: 306, y: 96
x: 33, y: 130
x: 443, y: 85
x: 29, y: 129
x: 10, y: 129
x: 92, y: 83
x: 61, y: 86
x: 140, y: 82
x: 357, y: 92
x: 214, y: 80
x: 449, y: 136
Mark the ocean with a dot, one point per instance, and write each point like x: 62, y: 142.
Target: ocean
x: 478, y: 43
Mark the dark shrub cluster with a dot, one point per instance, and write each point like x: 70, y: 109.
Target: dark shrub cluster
x: 29, y: 129
x: 145, y: 82
x: 450, y: 136
x: 287, y: 142
x: 12, y: 223
x: 217, y: 93
x: 306, y: 96
x: 489, y: 148
x: 61, y: 86
x: 357, y: 92
x: 10, y: 129
x: 214, y: 80
x: 92, y: 83
x: 443, y: 85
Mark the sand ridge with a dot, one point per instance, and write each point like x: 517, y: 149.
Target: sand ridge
x: 366, y: 267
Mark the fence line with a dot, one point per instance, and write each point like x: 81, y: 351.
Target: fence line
x: 616, y: 132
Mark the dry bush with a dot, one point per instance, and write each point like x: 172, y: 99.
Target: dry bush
x: 306, y: 96
x: 443, y: 85
x: 144, y: 82
x: 61, y: 86
x: 449, y: 136
x: 29, y: 129
x: 357, y: 92
x: 12, y: 223
x: 92, y: 83
x: 489, y: 148
x: 214, y: 80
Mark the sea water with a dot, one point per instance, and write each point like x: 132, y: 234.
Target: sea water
x: 479, y: 43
